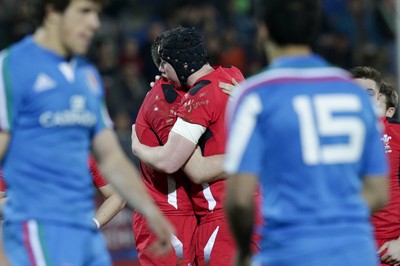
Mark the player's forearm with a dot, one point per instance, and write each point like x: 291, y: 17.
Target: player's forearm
x: 168, y: 158
x: 201, y: 169
x: 241, y: 220
x: 121, y: 173
x: 126, y: 181
x: 155, y: 157
x: 110, y: 207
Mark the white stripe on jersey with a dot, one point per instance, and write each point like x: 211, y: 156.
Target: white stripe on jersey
x: 4, y: 123
x: 241, y: 131
x: 178, y: 246
x: 172, y: 197
x: 209, y: 196
x: 34, y: 241
x: 209, y: 246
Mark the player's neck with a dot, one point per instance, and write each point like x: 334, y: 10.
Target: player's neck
x: 275, y: 51
x: 50, y: 40
x: 198, y: 74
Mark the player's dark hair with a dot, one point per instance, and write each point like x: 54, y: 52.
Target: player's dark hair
x: 290, y: 21
x: 366, y: 72
x: 392, y: 97
x: 39, y: 7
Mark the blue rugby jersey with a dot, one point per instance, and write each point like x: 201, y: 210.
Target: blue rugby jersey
x: 310, y: 134
x: 52, y: 109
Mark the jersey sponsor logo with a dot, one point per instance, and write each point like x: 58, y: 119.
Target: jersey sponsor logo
x: 386, y: 141
x: 77, y: 115
x: 43, y: 83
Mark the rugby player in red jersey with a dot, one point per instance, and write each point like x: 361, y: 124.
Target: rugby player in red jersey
x: 200, y: 122
x: 386, y: 221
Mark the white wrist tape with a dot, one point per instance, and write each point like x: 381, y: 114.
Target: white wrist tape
x: 96, y: 222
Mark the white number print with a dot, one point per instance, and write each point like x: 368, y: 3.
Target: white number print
x: 332, y: 118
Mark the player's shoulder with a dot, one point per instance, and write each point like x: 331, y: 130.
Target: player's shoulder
x: 163, y: 88
x: 393, y: 121
x: 234, y: 72
x: 209, y: 81
x: 22, y: 51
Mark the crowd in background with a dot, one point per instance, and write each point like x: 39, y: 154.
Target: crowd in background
x: 353, y: 32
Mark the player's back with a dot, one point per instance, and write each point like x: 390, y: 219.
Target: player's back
x: 311, y: 136
x: 153, y: 124
x: 316, y: 123
x: 54, y: 109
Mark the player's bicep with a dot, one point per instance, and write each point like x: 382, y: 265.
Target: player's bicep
x: 4, y: 141
x: 105, y: 145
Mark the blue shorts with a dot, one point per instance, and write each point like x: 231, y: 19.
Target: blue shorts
x: 334, y: 251
x: 37, y: 243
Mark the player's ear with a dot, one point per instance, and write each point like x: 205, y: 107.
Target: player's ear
x: 263, y: 32
x: 390, y: 112
x: 51, y: 15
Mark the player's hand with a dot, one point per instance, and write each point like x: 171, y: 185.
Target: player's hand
x: 392, y: 254
x: 157, y: 77
x: 163, y: 231
x: 135, y: 140
x: 227, y: 87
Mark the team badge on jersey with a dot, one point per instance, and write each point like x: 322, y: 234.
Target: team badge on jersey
x: 92, y: 81
x: 386, y: 139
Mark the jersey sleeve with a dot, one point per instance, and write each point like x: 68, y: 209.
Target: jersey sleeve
x: 10, y: 93
x: 243, y: 152
x: 98, y: 180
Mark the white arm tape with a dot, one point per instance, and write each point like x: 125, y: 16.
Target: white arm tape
x: 189, y: 131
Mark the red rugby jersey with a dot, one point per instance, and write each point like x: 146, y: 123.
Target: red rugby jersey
x: 205, y: 104
x: 98, y: 179
x: 386, y: 222
x: 156, y: 117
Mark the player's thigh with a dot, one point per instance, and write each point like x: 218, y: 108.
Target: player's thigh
x: 183, y: 251
x: 215, y: 244
x: 34, y: 243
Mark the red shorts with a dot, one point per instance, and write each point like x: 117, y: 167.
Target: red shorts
x: 215, y: 244
x: 183, y: 252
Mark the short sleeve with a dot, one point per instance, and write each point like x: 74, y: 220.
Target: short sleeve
x: 98, y: 180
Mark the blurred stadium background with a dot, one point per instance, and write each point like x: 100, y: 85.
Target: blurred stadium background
x: 353, y: 32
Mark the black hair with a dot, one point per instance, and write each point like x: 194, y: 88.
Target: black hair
x: 290, y: 22
x: 39, y: 7
x: 366, y: 72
